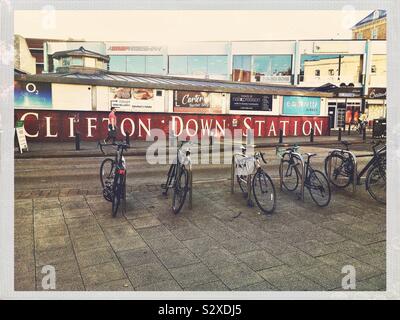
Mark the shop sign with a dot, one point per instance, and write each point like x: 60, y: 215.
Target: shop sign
x: 305, y: 106
x: 376, y: 93
x: 251, y: 102
x: 135, y: 99
x: 198, y: 101
x: 32, y: 94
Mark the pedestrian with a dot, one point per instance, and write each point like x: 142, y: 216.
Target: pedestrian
x: 112, y: 125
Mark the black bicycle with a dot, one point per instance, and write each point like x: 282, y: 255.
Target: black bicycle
x: 178, y: 177
x: 315, y: 181
x: 262, y: 186
x: 342, y: 170
x: 113, y: 176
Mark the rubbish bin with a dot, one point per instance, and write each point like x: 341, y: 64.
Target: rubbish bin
x: 379, y: 128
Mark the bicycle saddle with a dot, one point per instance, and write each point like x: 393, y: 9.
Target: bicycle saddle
x: 309, y: 154
x: 346, y: 143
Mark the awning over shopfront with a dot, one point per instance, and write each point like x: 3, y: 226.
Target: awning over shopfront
x: 113, y: 79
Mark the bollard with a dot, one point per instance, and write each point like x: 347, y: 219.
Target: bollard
x: 312, y: 135
x: 280, y: 136
x: 77, y: 141
x: 127, y: 139
x: 339, y: 137
x: 348, y: 131
x: 364, y: 134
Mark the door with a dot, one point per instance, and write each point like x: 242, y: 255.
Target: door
x: 341, y: 115
x: 332, y: 116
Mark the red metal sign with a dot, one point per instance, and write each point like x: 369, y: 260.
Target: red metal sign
x: 43, y: 125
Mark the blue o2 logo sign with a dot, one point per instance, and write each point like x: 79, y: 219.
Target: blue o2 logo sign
x: 32, y: 94
x: 301, y: 106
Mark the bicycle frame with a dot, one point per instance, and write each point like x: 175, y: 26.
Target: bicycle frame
x: 375, y: 159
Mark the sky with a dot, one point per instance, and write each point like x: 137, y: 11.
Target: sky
x: 186, y: 25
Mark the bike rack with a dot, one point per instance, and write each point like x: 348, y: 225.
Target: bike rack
x: 190, y: 178
x: 353, y: 156
x: 249, y: 189
x: 300, y: 157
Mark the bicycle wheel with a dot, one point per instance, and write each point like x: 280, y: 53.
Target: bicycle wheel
x: 180, y: 190
x: 170, y: 178
x: 107, y: 170
x: 318, y: 186
x: 117, y: 193
x: 290, y: 175
x: 264, y: 191
x: 342, y: 170
x: 376, y: 183
x: 242, y: 181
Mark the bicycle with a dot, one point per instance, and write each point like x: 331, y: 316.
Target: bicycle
x: 262, y: 186
x: 315, y: 181
x: 113, y: 176
x: 178, y: 177
x: 342, y: 170
x: 358, y: 126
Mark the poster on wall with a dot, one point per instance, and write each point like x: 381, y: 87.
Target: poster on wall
x: 299, y: 106
x: 198, y: 102
x: 251, y: 102
x: 135, y: 99
x: 32, y: 94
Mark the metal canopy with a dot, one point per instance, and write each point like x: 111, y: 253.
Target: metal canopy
x: 122, y: 79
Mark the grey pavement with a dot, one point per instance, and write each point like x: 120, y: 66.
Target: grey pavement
x: 61, y: 219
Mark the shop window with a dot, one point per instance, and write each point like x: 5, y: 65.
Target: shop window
x: 274, y: 68
x: 135, y: 64
x: 197, y: 65
x: 241, y: 68
x: 117, y: 63
x: 77, y: 61
x: 217, y: 65
x: 154, y: 64
x: 178, y: 65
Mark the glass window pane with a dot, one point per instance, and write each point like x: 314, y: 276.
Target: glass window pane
x: 281, y: 65
x: 242, y: 63
x: 345, y: 68
x: 197, y: 64
x: 154, y: 64
x: 136, y: 64
x: 241, y: 68
x: 77, y: 62
x: 117, y: 63
x: 218, y: 65
x: 178, y: 65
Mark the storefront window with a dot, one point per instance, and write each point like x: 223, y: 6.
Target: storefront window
x: 154, y: 64
x: 178, y: 65
x: 217, y: 65
x: 198, y: 65
x: 263, y: 68
x: 136, y: 64
x: 332, y: 68
x: 241, y: 68
x: 117, y: 63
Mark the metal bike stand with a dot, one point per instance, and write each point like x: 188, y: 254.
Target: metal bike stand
x: 300, y: 157
x: 249, y: 192
x: 353, y: 156
x: 233, y: 175
x: 190, y: 188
